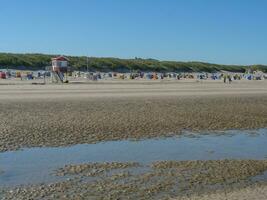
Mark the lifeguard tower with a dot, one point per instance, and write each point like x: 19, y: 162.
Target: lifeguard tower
x: 59, y: 68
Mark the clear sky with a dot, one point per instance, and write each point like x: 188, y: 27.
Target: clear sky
x: 218, y: 31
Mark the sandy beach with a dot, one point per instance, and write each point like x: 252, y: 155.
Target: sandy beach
x: 56, y: 115
x: 63, y: 115
x: 133, y: 100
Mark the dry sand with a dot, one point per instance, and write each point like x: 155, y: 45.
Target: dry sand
x: 128, y: 88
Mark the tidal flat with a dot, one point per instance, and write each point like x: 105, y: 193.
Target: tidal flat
x: 38, y: 116
x: 53, y: 120
x: 163, y: 180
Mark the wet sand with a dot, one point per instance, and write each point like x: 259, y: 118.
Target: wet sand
x: 60, y: 115
x: 36, y: 165
x: 163, y: 180
x: 249, y: 193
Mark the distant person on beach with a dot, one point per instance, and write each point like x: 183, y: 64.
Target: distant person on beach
x: 229, y: 78
x: 224, y: 78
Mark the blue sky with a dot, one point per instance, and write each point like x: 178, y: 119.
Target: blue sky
x: 218, y: 31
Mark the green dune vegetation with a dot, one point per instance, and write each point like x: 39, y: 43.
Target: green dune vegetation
x: 40, y: 61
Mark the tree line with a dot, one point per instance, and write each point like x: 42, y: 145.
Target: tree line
x: 82, y: 63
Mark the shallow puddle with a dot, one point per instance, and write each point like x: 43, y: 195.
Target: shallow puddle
x: 36, y: 165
